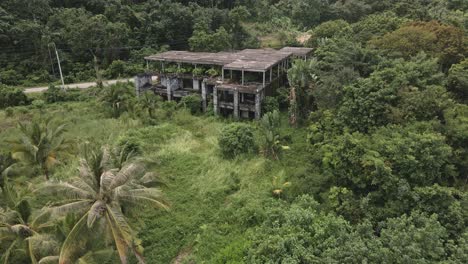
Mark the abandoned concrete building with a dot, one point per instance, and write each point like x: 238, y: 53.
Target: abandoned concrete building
x: 233, y: 83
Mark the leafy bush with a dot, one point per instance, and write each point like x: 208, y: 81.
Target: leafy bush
x: 38, y: 103
x: 10, y: 77
x: 9, y: 112
x: 270, y: 104
x: 10, y: 96
x: 55, y: 94
x: 210, y: 109
x: 212, y: 72
x: 129, y: 144
x: 116, y: 69
x: 170, y: 69
x: 198, y: 71
x: 192, y: 103
x: 169, y: 107
x: 283, y: 97
x: 132, y: 69
x: 458, y: 80
x: 236, y: 139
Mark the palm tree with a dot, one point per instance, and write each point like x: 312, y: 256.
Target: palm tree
x: 119, y: 97
x: 301, y: 78
x: 99, y: 192
x: 6, y: 165
x: 149, y: 102
x: 22, y: 229
x: 92, y: 249
x: 39, y: 144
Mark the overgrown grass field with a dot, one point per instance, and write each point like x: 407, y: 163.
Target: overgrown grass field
x: 213, y: 200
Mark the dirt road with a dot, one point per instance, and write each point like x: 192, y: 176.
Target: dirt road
x: 76, y: 85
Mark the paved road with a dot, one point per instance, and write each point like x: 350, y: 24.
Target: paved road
x: 76, y: 85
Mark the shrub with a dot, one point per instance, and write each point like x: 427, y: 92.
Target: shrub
x: 115, y: 69
x: 192, y: 103
x: 198, y: 71
x: 55, y: 94
x: 10, y: 77
x: 170, y: 69
x: 270, y: 104
x: 210, y: 109
x: 38, y: 103
x: 9, y: 112
x: 212, y: 72
x: 129, y: 144
x: 283, y: 98
x: 236, y: 139
x: 168, y: 107
x: 458, y: 80
x: 133, y: 69
x: 10, y: 96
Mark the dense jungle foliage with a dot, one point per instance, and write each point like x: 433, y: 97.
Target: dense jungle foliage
x: 362, y: 159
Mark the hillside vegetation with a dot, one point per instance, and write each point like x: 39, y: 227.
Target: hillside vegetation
x: 363, y: 158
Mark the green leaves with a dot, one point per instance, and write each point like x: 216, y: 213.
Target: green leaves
x: 39, y: 144
x: 103, y: 187
x: 269, y: 127
x: 236, y: 139
x: 397, y: 92
x: 119, y: 98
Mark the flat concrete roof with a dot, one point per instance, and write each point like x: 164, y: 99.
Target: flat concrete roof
x: 219, y: 58
x: 257, y: 59
x: 297, y: 51
x: 249, y: 59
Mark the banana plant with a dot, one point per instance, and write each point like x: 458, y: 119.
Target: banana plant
x: 280, y: 184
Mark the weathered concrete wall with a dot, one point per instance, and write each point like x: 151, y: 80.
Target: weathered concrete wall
x: 172, y: 84
x: 142, y: 82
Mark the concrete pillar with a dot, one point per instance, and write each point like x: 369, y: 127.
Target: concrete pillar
x: 222, y: 74
x: 168, y: 89
x: 236, y: 104
x: 137, y: 85
x: 258, y: 105
x: 271, y: 74
x: 242, y: 77
x: 215, y: 100
x: 264, y: 79
x: 196, y: 84
x: 203, y: 93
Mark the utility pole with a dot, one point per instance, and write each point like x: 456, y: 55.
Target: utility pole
x: 60, y: 68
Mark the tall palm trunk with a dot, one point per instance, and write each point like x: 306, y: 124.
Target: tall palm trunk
x: 292, y: 107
